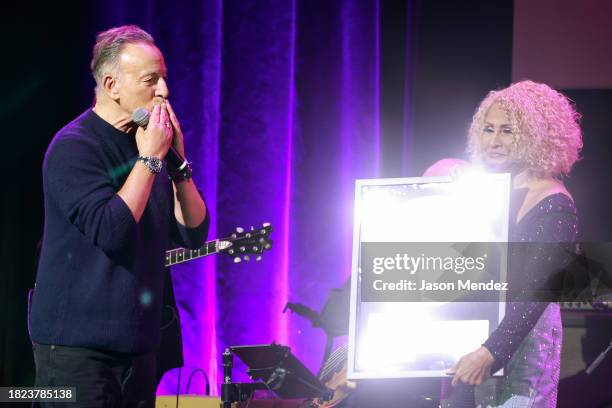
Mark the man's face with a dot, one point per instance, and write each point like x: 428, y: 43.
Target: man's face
x: 141, y: 77
x: 498, y: 140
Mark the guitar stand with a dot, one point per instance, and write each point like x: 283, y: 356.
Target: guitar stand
x: 280, y: 371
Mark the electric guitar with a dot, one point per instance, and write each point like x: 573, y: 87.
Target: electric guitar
x: 240, y: 245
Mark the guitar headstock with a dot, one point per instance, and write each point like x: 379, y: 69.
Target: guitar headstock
x: 243, y: 243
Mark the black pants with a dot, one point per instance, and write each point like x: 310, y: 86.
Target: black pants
x: 101, y: 377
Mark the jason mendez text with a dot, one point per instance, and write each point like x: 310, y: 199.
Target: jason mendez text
x: 409, y: 285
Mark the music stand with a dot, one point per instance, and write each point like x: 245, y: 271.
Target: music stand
x: 277, y: 369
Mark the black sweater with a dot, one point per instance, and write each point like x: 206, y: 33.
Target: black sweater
x: 100, y: 277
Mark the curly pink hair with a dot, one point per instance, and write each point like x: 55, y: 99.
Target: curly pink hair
x: 548, y: 136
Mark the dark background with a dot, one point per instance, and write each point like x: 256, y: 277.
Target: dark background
x: 45, y: 82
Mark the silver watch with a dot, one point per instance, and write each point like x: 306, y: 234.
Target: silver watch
x: 154, y: 164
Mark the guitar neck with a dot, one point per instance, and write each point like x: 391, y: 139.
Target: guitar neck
x: 180, y: 255
x: 239, y: 245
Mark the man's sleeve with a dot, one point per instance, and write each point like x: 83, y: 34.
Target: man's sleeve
x: 76, y: 180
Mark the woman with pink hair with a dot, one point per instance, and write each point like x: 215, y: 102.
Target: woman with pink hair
x: 531, y: 131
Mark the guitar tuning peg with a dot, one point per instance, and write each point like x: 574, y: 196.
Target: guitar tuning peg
x: 266, y: 224
x: 242, y: 249
x: 252, y: 228
x: 239, y: 230
x: 255, y: 248
x: 247, y: 258
x: 231, y: 252
x: 268, y: 246
x: 237, y: 259
x: 258, y: 258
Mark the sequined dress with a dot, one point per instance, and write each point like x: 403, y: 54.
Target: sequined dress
x: 527, y: 342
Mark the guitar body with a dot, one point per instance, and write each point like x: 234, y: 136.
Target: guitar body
x: 342, y: 389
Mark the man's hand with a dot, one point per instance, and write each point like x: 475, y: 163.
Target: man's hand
x: 156, y: 140
x: 179, y: 144
x: 473, y: 368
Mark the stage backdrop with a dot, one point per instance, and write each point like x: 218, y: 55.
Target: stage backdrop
x: 329, y: 86
x: 279, y: 102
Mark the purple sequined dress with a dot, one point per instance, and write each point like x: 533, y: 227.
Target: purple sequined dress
x: 527, y: 342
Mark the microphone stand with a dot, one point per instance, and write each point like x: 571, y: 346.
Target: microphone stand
x: 316, y: 321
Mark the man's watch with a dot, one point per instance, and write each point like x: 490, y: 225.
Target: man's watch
x: 154, y: 164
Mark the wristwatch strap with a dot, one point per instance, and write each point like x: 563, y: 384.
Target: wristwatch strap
x: 154, y: 164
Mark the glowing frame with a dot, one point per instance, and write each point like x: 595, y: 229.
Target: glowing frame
x: 505, y: 181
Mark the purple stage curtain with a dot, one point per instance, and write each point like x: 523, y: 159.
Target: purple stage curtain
x: 279, y: 101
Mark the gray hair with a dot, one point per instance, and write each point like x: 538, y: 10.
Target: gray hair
x: 109, y: 45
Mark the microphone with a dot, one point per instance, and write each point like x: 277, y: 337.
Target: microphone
x: 174, y: 161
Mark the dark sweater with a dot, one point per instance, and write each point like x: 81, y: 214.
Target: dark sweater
x: 100, y: 277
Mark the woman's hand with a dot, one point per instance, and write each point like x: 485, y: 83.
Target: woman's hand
x: 473, y: 368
